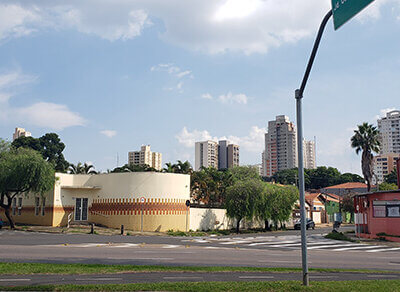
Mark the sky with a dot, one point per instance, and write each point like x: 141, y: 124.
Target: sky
x: 111, y: 75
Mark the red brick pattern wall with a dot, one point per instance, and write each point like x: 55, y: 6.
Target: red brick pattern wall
x: 134, y: 207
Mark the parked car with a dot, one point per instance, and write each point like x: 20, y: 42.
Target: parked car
x: 310, y: 224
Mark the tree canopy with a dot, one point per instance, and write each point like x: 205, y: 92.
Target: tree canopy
x: 81, y: 168
x: 320, y: 177
x: 391, y: 178
x: 49, y: 146
x: 242, y: 199
x: 23, y: 171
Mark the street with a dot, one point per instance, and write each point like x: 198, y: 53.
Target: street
x: 251, y: 250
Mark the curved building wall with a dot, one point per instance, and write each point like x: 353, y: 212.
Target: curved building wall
x: 115, y: 199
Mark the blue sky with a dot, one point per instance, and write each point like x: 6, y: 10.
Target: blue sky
x: 110, y: 76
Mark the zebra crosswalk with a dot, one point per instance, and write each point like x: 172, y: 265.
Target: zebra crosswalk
x: 315, y: 242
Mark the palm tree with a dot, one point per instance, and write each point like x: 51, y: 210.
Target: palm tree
x: 169, y: 167
x: 81, y: 168
x: 184, y: 167
x: 366, y: 139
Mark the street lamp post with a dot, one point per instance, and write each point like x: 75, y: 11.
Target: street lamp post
x: 299, y: 96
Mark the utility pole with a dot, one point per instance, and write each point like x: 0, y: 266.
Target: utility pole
x: 299, y: 97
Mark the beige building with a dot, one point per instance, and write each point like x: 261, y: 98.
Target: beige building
x: 21, y: 132
x: 309, y: 154
x: 233, y: 155
x: 389, y: 132
x: 112, y: 200
x: 383, y: 165
x: 280, y: 146
x: 145, y: 157
x: 206, y: 154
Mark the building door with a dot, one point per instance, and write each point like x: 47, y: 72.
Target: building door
x: 81, y: 209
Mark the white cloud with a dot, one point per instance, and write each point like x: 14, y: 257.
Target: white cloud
x: 233, y: 98
x: 253, y: 142
x: 50, y: 115
x: 210, y: 26
x: 171, y: 69
x: 42, y: 114
x: 383, y: 112
x: 206, y: 96
x: 109, y: 133
x: 184, y: 73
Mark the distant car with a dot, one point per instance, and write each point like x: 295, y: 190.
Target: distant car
x: 310, y: 224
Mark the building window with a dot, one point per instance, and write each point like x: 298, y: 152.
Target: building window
x: 43, y: 205
x: 37, y: 205
x: 19, y: 206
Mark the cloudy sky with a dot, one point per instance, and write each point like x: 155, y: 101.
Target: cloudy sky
x: 111, y: 75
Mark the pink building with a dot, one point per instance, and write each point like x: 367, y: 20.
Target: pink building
x: 377, y: 214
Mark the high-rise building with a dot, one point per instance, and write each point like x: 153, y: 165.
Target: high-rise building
x: 389, y: 132
x: 223, y: 154
x: 219, y: 155
x: 228, y: 154
x: 206, y: 154
x: 233, y: 155
x: 20, y: 132
x: 309, y: 154
x: 280, y: 146
x: 383, y: 165
x: 145, y: 157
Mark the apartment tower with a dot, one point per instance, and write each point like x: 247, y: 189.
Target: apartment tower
x: 280, y: 146
x: 389, y: 132
x: 206, y: 154
x: 145, y: 157
x: 20, y: 132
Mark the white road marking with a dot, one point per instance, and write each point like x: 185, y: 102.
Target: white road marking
x: 176, y: 278
x: 270, y: 243
x: 384, y: 249
x: 14, y: 280
x: 333, y: 246
x: 322, y: 277
x: 236, y: 242
x: 124, y: 245
x: 256, y: 277
x: 356, y: 247
x: 171, y: 246
x: 382, y: 276
x: 98, y: 279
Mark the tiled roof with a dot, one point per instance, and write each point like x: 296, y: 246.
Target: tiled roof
x: 349, y: 185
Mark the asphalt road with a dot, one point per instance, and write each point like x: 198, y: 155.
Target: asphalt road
x: 124, y: 278
x: 252, y: 250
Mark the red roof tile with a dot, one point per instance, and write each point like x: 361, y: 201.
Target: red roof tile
x: 349, y: 185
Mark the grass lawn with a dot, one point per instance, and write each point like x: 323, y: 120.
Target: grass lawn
x: 373, y: 285
x: 37, y: 268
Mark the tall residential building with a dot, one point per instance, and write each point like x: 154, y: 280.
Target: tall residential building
x: 206, y: 154
x: 389, y: 132
x: 223, y: 154
x: 309, y: 154
x: 20, y: 132
x: 233, y: 155
x: 280, y: 146
x: 145, y: 157
x: 228, y: 154
x: 383, y: 165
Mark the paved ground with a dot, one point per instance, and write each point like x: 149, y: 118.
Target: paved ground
x: 12, y: 280
x: 259, y: 250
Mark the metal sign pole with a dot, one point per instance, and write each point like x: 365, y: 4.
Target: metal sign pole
x: 141, y: 220
x: 299, y: 96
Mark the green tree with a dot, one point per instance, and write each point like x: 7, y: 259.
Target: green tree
x: 366, y: 140
x: 183, y: 167
x: 350, y: 177
x: 391, y: 178
x: 49, y: 145
x: 239, y: 173
x: 242, y: 199
x: 347, y: 205
x: 281, y: 202
x: 23, y: 171
x: 388, y: 187
x: 133, y: 168
x: 81, y: 168
x: 4, y: 145
x: 169, y: 167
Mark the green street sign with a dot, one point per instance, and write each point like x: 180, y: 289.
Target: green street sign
x: 344, y: 10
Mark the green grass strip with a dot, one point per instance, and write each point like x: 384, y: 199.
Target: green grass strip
x: 39, y: 268
x: 345, y: 286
